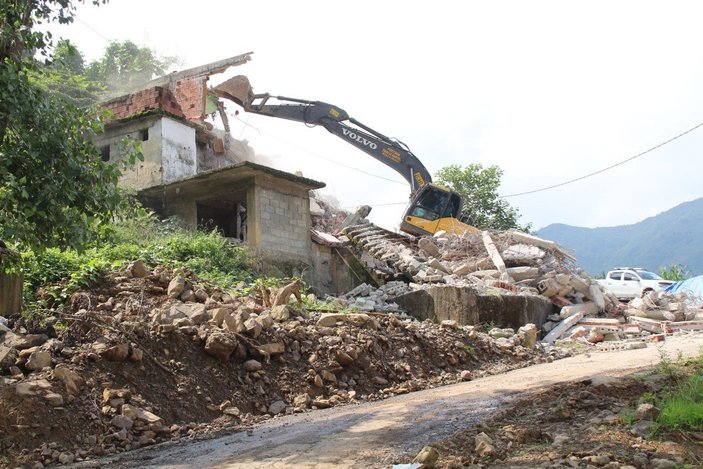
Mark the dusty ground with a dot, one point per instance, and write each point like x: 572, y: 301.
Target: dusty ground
x: 175, y: 390
x: 576, y: 398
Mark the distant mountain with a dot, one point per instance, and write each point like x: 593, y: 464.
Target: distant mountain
x: 672, y: 237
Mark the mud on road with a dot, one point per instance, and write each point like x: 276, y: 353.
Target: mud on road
x: 376, y: 434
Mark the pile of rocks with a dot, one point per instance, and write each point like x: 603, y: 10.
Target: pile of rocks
x: 153, y: 355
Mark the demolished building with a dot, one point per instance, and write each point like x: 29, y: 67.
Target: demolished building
x: 208, y: 179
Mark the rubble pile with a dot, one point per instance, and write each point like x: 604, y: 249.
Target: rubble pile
x: 325, y: 216
x: 152, y: 355
x: 365, y: 297
x: 511, y: 261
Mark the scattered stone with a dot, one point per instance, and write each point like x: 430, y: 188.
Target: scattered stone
x: 32, y: 388
x: 232, y: 411
x: 220, y: 345
x: 427, y: 456
x: 122, y: 421
x: 276, y: 407
x: 643, y: 428
x: 38, y: 359
x: 646, y: 412
x: 252, y: 365
x: 53, y: 398
x: 137, y: 413
x: 117, y: 353
x: 176, y: 286
x: 274, y: 348
x: 138, y: 269
x: 27, y: 341
x: 465, y: 375
x: 484, y: 445
x: 281, y: 313
x: 70, y: 378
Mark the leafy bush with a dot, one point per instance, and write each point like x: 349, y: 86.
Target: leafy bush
x: 675, y: 272
x: 136, y: 235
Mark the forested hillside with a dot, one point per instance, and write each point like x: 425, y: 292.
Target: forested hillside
x: 672, y: 237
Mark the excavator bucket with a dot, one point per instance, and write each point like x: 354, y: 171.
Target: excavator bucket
x: 237, y: 89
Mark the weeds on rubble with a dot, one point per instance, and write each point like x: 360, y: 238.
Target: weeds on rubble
x: 627, y: 416
x: 51, y: 276
x: 669, y: 368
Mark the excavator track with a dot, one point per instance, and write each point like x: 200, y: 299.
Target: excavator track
x: 385, y: 255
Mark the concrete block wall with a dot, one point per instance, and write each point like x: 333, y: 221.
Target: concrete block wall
x: 284, y: 222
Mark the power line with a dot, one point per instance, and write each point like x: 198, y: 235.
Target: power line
x: 92, y: 29
x: 316, y: 154
x: 604, y: 169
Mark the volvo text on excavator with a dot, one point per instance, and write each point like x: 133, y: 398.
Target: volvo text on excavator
x: 432, y: 208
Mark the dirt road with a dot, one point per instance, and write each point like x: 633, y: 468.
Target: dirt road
x: 375, y: 434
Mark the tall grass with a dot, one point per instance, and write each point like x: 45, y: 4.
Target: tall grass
x: 682, y: 408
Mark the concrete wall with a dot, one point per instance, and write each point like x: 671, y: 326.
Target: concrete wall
x: 178, y: 156
x: 335, y: 270
x: 168, y: 147
x: 468, y: 306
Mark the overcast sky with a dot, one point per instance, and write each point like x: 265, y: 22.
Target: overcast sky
x: 547, y: 90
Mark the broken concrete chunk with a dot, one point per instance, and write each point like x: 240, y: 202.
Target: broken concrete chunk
x: 522, y: 273
x: 588, y: 309
x: 522, y: 253
x: 528, y: 335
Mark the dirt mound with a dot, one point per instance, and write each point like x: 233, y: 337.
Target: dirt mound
x: 131, y: 363
x: 572, y: 425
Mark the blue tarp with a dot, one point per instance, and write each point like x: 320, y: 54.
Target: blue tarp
x: 693, y: 287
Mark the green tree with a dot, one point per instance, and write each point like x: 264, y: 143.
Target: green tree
x: 56, y: 190
x: 675, y: 272
x: 478, y: 187
x: 125, y: 65
x: 64, y: 77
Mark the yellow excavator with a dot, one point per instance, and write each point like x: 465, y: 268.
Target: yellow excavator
x: 431, y: 209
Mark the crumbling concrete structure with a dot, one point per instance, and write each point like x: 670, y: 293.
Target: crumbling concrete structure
x: 203, y: 175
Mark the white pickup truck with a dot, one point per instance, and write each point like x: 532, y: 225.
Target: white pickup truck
x: 633, y: 282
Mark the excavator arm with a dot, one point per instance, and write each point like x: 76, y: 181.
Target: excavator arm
x: 388, y: 151
x: 431, y: 209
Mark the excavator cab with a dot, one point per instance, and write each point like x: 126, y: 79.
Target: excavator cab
x: 432, y: 209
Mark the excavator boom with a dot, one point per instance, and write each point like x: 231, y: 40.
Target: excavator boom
x: 388, y: 151
x: 431, y: 209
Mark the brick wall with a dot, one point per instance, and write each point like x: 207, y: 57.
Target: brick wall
x: 191, y: 93
x: 284, y: 223
x: 142, y: 101
x: 185, y: 98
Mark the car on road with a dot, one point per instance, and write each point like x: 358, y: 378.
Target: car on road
x: 633, y: 282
